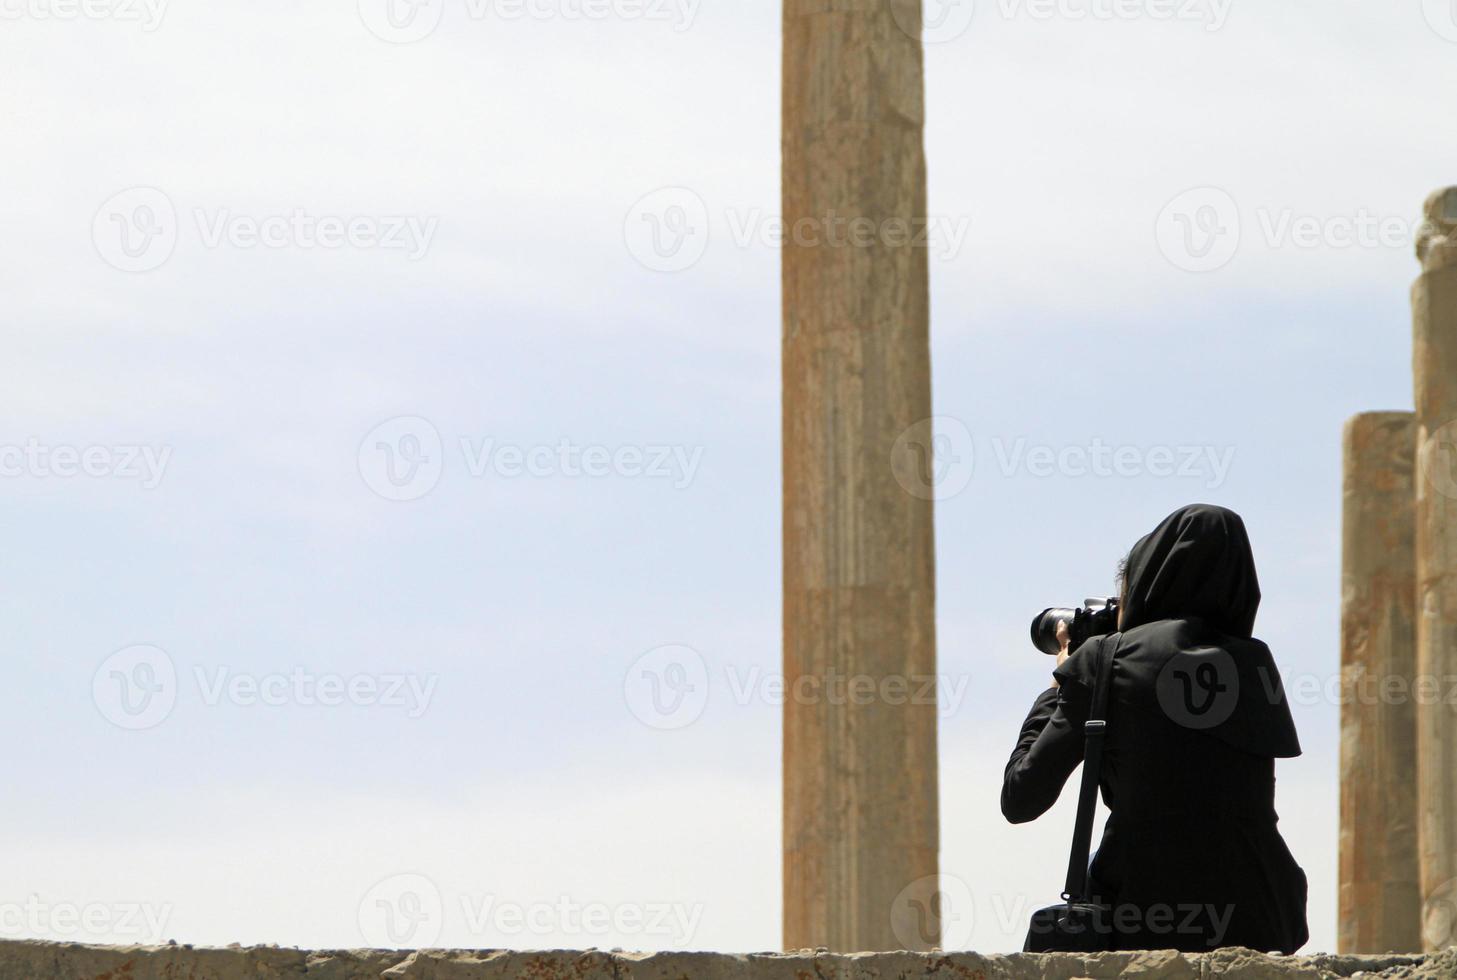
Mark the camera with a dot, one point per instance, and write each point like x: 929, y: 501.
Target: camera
x: 1096, y: 618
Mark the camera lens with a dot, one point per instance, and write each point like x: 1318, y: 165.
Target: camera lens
x: 1044, y: 628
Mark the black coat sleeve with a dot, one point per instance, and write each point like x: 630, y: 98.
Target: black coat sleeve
x: 1048, y: 750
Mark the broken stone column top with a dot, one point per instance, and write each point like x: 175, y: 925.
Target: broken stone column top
x: 1437, y: 236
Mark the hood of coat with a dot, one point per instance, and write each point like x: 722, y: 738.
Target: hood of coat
x: 1196, y: 564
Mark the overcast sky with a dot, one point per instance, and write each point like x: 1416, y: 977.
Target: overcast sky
x: 386, y: 389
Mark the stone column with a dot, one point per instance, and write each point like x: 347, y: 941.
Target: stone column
x: 1380, y: 895
x: 1434, y: 308
x: 860, y: 790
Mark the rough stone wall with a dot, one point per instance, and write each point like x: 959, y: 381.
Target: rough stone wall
x: 25, y: 960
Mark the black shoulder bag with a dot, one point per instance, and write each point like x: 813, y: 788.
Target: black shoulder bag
x: 1077, y: 925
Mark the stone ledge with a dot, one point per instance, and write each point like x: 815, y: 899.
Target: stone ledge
x: 34, y: 960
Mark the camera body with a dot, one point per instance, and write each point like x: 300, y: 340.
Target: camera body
x: 1097, y: 617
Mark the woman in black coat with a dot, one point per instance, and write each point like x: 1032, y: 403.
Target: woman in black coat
x: 1191, y: 857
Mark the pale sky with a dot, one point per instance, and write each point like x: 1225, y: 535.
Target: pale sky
x: 260, y: 256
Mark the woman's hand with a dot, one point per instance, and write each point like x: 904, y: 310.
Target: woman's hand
x: 1064, y: 639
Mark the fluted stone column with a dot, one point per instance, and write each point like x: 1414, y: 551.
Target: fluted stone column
x: 860, y: 794
x: 1380, y: 893
x: 1434, y: 306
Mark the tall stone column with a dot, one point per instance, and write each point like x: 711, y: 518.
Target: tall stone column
x: 1380, y: 892
x: 1434, y: 307
x: 860, y: 789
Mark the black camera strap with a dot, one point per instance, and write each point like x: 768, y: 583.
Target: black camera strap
x: 1094, y: 731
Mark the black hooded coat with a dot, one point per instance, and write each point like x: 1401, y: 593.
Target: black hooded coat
x: 1191, y: 857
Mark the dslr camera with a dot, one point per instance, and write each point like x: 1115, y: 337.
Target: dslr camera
x: 1097, y: 617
